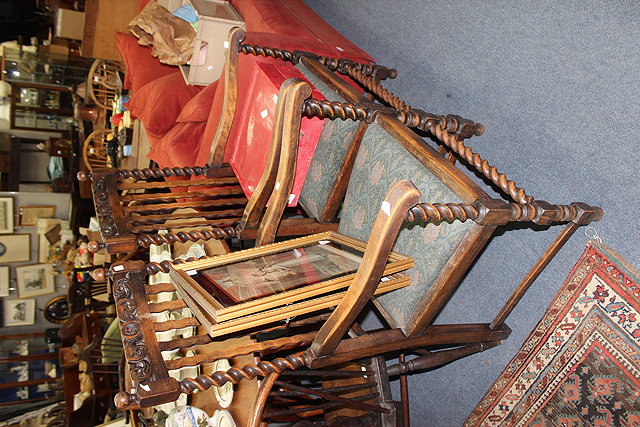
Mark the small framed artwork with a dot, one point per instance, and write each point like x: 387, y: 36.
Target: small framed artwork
x: 27, y: 215
x: 18, y: 312
x: 36, y: 279
x: 6, y: 215
x: 4, y: 281
x: 273, y: 282
x: 15, y: 248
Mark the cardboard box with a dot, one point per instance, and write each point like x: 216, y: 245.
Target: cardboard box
x: 215, y: 19
x: 69, y: 24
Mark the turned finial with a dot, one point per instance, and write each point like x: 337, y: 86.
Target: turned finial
x: 95, y: 246
x: 99, y: 274
x: 122, y: 400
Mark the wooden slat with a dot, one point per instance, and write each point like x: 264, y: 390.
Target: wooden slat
x: 158, y: 307
x: 175, y: 324
x: 159, y: 287
x: 169, y: 206
x: 176, y: 183
x: 225, y: 191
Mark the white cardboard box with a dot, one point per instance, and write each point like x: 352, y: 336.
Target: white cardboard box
x: 215, y: 19
x: 69, y: 24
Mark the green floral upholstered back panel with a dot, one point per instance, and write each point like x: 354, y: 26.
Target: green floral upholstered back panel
x: 333, y: 144
x: 381, y: 162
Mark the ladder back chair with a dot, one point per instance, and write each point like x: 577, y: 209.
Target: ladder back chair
x: 404, y: 195
x: 102, y: 82
x: 132, y: 213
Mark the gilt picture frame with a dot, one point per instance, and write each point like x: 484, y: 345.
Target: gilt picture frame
x: 6, y: 215
x: 272, y: 282
x: 34, y: 280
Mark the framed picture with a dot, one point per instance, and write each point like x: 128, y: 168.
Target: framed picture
x: 6, y: 215
x: 18, y: 312
x: 15, y: 248
x: 4, y: 281
x: 27, y: 215
x: 36, y: 279
x: 273, y: 282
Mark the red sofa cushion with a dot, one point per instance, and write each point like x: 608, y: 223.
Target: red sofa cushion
x: 177, y: 146
x: 158, y: 103
x: 198, y: 108
x: 141, y: 67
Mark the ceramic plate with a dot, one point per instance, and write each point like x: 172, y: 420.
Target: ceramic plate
x: 223, y: 394
x: 222, y: 418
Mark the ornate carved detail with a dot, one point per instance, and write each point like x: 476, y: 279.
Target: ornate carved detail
x: 146, y: 240
x: 438, y: 212
x: 121, y: 289
x: 140, y: 370
x: 162, y: 173
x: 456, y: 144
x: 235, y: 375
x: 334, y: 110
x: 103, y: 207
x: 131, y: 331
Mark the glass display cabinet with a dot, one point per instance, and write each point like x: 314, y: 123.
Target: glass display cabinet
x: 43, y: 107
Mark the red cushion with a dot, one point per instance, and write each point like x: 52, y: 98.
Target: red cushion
x: 198, y: 108
x: 158, y: 103
x: 179, y: 146
x: 294, y: 18
x: 246, y: 64
x: 141, y: 67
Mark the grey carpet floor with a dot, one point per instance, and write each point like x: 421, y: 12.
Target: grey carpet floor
x: 556, y: 85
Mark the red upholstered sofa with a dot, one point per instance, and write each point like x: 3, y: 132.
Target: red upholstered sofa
x: 181, y: 120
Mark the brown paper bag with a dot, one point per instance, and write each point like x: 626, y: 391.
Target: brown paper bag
x: 171, y: 38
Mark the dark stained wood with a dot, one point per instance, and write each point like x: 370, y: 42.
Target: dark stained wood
x: 230, y: 81
x: 533, y: 274
x: 400, y: 198
x: 298, y: 92
x: 253, y: 212
x: 339, y: 189
x: 394, y: 340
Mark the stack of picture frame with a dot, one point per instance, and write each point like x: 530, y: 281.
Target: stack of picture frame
x: 32, y: 280
x: 251, y: 288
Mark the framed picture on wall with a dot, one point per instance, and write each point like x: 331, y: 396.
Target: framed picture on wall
x: 27, y: 215
x: 36, y: 279
x: 18, y: 312
x: 6, y: 215
x: 15, y: 248
x: 4, y: 281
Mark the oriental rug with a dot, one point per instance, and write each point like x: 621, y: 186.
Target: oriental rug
x: 581, y: 364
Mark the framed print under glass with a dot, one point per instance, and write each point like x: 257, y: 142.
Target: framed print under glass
x: 15, y: 248
x: 4, y: 281
x: 6, y: 215
x: 274, y: 281
x: 35, y: 280
x: 28, y: 215
x: 18, y: 312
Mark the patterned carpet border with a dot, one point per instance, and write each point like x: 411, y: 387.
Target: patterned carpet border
x: 594, y: 319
